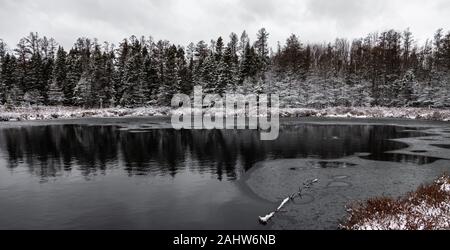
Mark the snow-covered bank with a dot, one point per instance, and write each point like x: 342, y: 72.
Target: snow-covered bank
x: 52, y: 112
x: 428, y: 208
x: 370, y: 112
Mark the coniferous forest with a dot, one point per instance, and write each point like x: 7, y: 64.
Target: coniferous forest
x: 388, y: 69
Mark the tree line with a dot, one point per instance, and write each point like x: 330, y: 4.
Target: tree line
x: 384, y: 69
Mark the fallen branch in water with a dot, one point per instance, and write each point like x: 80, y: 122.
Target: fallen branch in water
x: 307, y: 185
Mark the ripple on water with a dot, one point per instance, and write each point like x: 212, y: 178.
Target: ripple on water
x: 340, y: 177
x: 338, y: 184
x: 332, y: 164
x: 401, y: 158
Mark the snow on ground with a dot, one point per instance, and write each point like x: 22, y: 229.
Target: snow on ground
x: 426, y: 214
x: 371, y: 112
x: 427, y: 208
x: 46, y: 113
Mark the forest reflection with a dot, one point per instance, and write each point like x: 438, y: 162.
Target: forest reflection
x: 49, y: 151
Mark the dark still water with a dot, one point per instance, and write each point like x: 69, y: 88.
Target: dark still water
x: 70, y: 176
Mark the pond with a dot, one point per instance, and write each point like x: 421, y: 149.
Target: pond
x: 138, y: 173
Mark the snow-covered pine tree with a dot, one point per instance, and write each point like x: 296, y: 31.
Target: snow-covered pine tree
x: 123, y: 53
x: 171, y: 81
x: 33, y: 97
x: 149, y: 77
x: 227, y: 72
x: 233, y: 45
x: 208, y: 74
x: 83, y: 95
x: 108, y: 91
x: 2, y: 49
x: 184, y: 70
x: 249, y: 63
x: 9, y: 81
x: 55, y: 94
x: 98, y: 75
x: 14, y: 96
x: 404, y: 90
x: 2, y: 82
x: 375, y: 66
x: 48, y: 50
x: 35, y: 86
x: 243, y: 41
x: 60, y: 69
x: 132, y: 88
x: 74, y: 71
x: 262, y: 49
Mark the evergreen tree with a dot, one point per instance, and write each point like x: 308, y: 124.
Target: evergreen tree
x: 2, y: 50
x: 108, y: 91
x: 201, y: 52
x: 60, y: 69
x: 262, y: 49
x: 2, y: 61
x: 184, y: 72
x: 386, y: 68
x: 73, y: 76
x: 83, y: 95
x: 123, y: 53
x: 243, y: 41
x: 249, y: 63
x: 291, y: 56
x: 149, y: 76
x: 407, y: 49
x: 227, y: 72
x: 445, y: 52
x: 233, y: 45
x: 219, y: 48
x: 55, y: 94
x: 8, y: 79
x: 171, y: 81
x: 132, y: 87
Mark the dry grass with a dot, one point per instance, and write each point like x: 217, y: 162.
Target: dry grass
x: 427, y: 208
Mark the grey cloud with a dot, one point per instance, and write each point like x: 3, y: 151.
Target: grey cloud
x: 347, y: 13
x: 182, y: 21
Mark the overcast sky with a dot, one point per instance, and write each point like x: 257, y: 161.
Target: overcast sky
x: 182, y: 21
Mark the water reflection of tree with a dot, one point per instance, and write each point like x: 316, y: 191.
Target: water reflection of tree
x: 49, y: 151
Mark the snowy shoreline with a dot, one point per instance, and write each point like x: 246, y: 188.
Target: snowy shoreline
x: 427, y: 208
x: 57, y: 112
